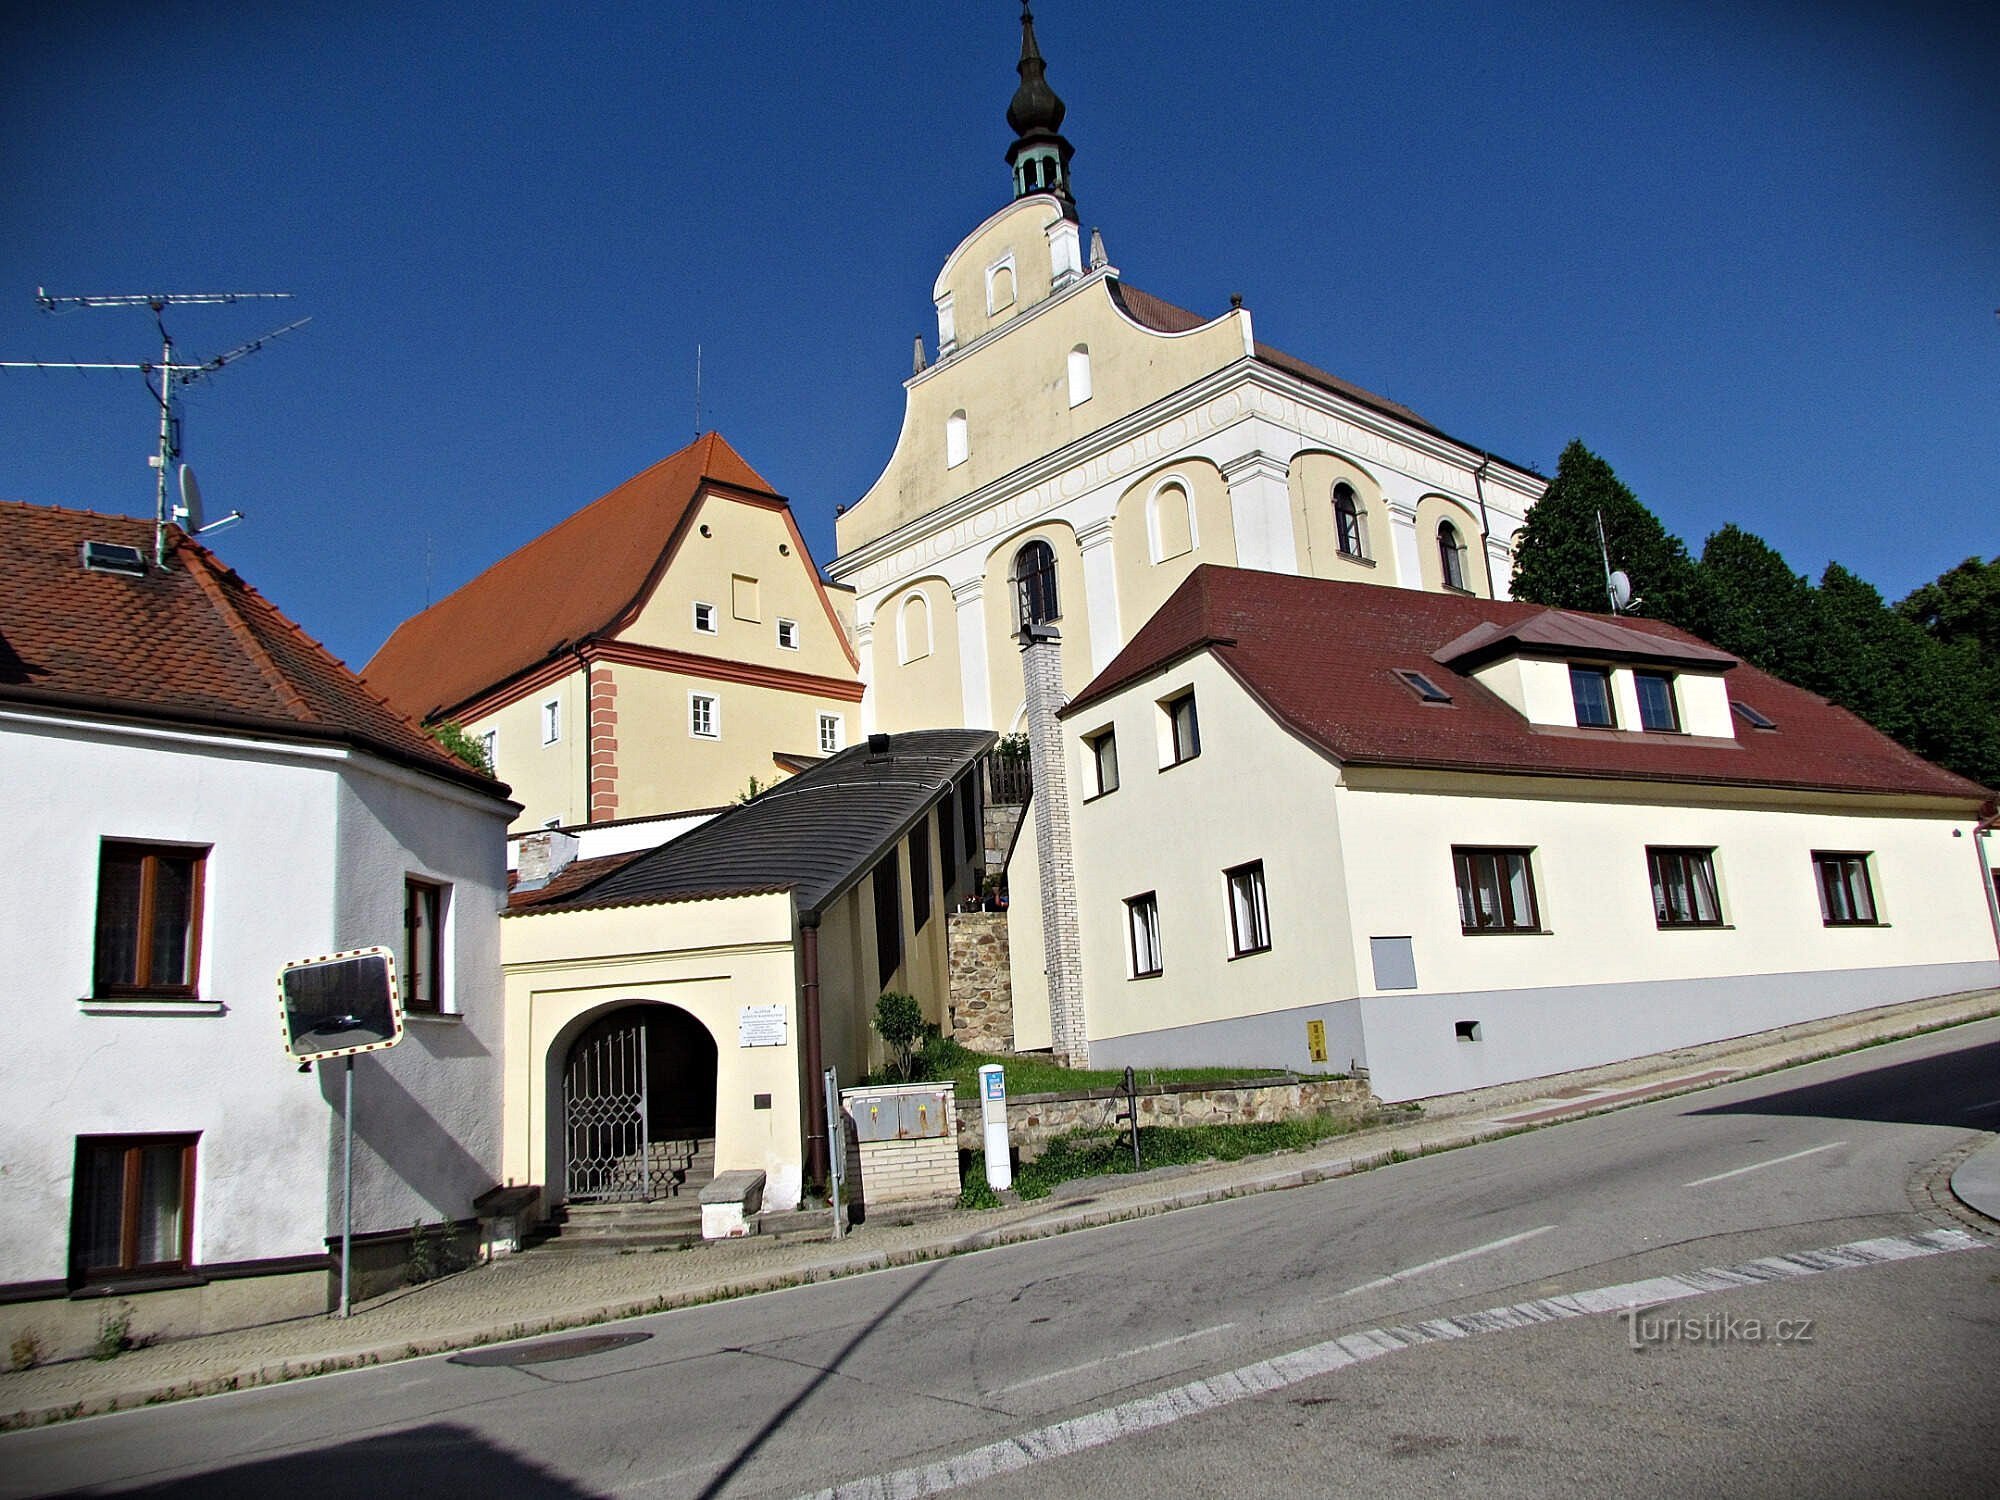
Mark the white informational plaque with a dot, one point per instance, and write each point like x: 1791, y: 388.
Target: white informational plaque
x: 760, y: 1026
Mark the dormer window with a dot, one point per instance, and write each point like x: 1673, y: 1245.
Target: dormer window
x: 1657, y: 711
x: 1590, y: 690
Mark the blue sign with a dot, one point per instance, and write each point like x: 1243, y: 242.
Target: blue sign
x: 996, y: 1083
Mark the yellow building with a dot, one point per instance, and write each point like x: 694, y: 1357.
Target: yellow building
x: 1078, y: 447
x: 654, y: 652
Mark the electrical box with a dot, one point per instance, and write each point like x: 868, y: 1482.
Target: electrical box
x: 900, y: 1116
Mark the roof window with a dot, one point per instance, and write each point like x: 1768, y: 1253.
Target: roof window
x: 114, y: 557
x: 1750, y: 715
x: 1422, y: 686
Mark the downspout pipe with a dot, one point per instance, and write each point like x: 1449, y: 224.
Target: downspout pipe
x: 1485, y: 525
x: 1980, y: 835
x: 816, y: 1143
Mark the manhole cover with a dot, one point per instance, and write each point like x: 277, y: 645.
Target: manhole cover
x: 546, y: 1351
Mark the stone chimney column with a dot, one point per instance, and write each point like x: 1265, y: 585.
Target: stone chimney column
x: 1062, y: 949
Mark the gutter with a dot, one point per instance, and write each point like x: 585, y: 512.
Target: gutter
x: 816, y: 1142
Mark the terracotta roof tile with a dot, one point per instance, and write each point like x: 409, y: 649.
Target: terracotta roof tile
x: 568, y: 584
x: 1322, y: 657
x: 193, y: 645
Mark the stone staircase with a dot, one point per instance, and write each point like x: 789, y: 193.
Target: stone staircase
x: 670, y: 1220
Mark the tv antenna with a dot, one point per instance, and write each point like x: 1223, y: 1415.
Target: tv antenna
x: 1617, y: 582
x: 173, y: 374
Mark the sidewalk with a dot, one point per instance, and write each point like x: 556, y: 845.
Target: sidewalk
x: 523, y: 1295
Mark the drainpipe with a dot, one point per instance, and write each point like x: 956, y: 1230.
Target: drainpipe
x: 1485, y: 526
x: 1979, y: 837
x: 816, y: 1152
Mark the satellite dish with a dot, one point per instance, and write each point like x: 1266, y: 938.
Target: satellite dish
x: 188, y: 512
x: 1621, y: 585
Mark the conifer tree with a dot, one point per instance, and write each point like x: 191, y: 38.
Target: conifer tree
x: 1557, y: 559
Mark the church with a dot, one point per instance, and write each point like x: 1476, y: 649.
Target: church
x: 1078, y: 446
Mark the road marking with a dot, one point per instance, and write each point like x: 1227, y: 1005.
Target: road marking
x: 1445, y: 1260
x: 1091, y: 1364
x: 1759, y: 1166
x: 1198, y: 1397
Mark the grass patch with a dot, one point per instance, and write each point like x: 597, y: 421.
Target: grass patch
x: 941, y: 1058
x: 1100, y: 1153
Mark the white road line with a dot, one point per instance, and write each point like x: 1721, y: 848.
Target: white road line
x: 1758, y: 1166
x: 1091, y: 1364
x: 1445, y: 1260
x: 1095, y: 1429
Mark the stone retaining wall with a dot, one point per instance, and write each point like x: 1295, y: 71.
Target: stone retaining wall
x: 1033, y: 1119
x: 980, y: 1010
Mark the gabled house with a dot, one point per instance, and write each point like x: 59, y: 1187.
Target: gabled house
x: 1462, y: 841
x: 654, y: 652
x: 198, y: 793
x: 669, y: 1011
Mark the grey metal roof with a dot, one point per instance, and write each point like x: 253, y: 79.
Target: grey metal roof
x: 814, y: 835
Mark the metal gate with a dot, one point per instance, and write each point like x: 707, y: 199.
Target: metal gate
x: 605, y: 1110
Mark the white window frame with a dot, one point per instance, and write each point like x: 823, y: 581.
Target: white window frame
x: 489, y: 741
x: 551, y: 721
x: 712, y: 627
x: 1142, y: 936
x: 1249, y: 907
x: 832, y: 731
x: 788, y: 635
x: 714, y: 704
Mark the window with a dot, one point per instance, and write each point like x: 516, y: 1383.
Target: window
x: 489, y: 746
x: 956, y: 444
x: 1496, y: 891
x: 1422, y: 686
x: 888, y: 919
x: 1183, y: 730
x: 704, y: 619
x: 1347, y: 520
x: 913, y: 628
x: 920, y: 875
x: 704, y: 716
x: 1249, y: 917
x: 1846, y: 899
x: 947, y: 845
x: 421, y: 963
x: 829, y: 734
x: 130, y: 1213
x: 1142, y: 917
x: 149, y: 919
x: 788, y: 635
x: 1000, y: 285
x: 1590, y: 691
x: 1079, y: 375
x: 1750, y: 715
x: 1451, y: 557
x: 551, y: 722
x: 743, y: 599
x: 1684, y: 892
x: 969, y: 816
x: 1103, y: 748
x: 1169, y: 521
x: 1035, y: 584
x: 1657, y: 711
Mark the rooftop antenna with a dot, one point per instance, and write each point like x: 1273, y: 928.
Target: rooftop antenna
x: 697, y: 390
x: 1617, y: 583
x: 172, y: 374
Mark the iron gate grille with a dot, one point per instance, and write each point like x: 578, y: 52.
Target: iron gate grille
x: 605, y: 1104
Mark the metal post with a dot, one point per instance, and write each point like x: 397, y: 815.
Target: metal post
x: 837, y: 1139
x: 347, y: 1186
x: 1132, y: 1113
x: 166, y: 454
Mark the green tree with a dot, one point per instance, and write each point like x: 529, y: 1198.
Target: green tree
x: 1961, y: 607
x: 1558, y: 561
x: 1760, y: 610
x: 899, y: 1021
x: 452, y: 736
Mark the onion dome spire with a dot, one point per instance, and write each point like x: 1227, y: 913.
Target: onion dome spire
x: 1039, y: 156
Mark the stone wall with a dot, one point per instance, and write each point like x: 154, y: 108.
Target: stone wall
x: 980, y: 1009
x: 1000, y: 822
x: 1034, y: 1119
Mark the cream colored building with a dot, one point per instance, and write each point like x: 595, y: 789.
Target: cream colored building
x: 673, y: 1007
x: 1472, y: 842
x: 655, y: 652
x: 1067, y: 410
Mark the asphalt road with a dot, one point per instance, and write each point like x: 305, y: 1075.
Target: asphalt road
x: 1234, y: 1348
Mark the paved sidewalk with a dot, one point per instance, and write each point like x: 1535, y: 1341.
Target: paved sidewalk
x: 524, y: 1295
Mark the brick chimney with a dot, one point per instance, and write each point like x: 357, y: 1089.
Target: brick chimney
x: 543, y: 855
x: 1062, y: 949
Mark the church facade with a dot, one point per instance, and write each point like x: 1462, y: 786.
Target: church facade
x: 1078, y: 446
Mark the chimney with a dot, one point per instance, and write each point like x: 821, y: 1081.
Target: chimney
x: 544, y: 855
x: 878, y: 744
x: 1062, y: 947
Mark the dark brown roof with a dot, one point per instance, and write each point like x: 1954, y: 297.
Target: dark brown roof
x: 1565, y: 634
x: 1322, y: 657
x: 574, y: 581
x: 571, y: 878
x: 814, y: 835
x: 192, y: 645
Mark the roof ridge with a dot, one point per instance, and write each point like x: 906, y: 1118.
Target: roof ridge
x: 204, y: 565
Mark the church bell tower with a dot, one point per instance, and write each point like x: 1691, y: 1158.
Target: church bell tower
x: 1040, y: 155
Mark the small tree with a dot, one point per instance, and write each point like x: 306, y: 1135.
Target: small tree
x: 452, y: 736
x: 899, y: 1021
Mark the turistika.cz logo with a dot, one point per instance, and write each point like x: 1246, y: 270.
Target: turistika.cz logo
x: 1645, y: 1328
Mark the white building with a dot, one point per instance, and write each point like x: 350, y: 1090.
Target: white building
x: 196, y: 794
x: 1461, y: 842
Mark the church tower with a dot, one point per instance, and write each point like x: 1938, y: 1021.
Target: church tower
x: 1040, y: 155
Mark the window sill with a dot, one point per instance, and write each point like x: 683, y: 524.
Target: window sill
x: 1181, y: 762
x: 1154, y: 974
x: 1456, y: 588
x: 1505, y: 932
x: 1356, y: 559
x: 137, y: 1281
x: 1825, y: 923
x: 1249, y: 953
x: 1695, y: 926
x: 135, y: 1005
x: 433, y: 1017
x: 1100, y: 796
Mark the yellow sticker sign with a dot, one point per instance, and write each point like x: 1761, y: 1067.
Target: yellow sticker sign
x: 1316, y: 1040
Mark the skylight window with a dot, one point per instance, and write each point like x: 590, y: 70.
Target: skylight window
x: 1422, y: 686
x: 1750, y: 715
x: 114, y: 557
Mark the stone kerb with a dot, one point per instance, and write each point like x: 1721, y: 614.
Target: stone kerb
x: 1033, y: 1120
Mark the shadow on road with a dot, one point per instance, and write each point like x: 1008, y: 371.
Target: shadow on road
x: 438, y: 1458
x: 1960, y: 1089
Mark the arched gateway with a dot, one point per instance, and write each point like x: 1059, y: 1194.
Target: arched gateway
x: 638, y: 1105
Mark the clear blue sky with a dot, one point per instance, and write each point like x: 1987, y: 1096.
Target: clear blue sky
x: 1751, y: 254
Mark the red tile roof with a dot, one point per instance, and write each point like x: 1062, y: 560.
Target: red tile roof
x: 570, y: 583
x: 193, y: 645
x: 1322, y: 657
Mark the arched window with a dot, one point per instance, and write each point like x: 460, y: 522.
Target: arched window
x: 1451, y: 556
x: 913, y: 628
x: 1169, y: 521
x: 1079, y: 375
x: 1035, y: 584
x: 955, y: 445
x: 1347, y: 520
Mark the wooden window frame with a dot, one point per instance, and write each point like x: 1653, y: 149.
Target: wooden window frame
x: 1451, y: 558
x: 1846, y: 863
x: 1260, y: 908
x: 1347, y: 528
x: 1187, y: 749
x: 129, y: 1266
x: 422, y: 981
x: 1666, y: 682
x: 1466, y: 861
x: 148, y: 856
x: 1690, y: 862
x: 1579, y: 670
x: 1144, y: 906
x: 1037, y: 592
x: 1103, y: 748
